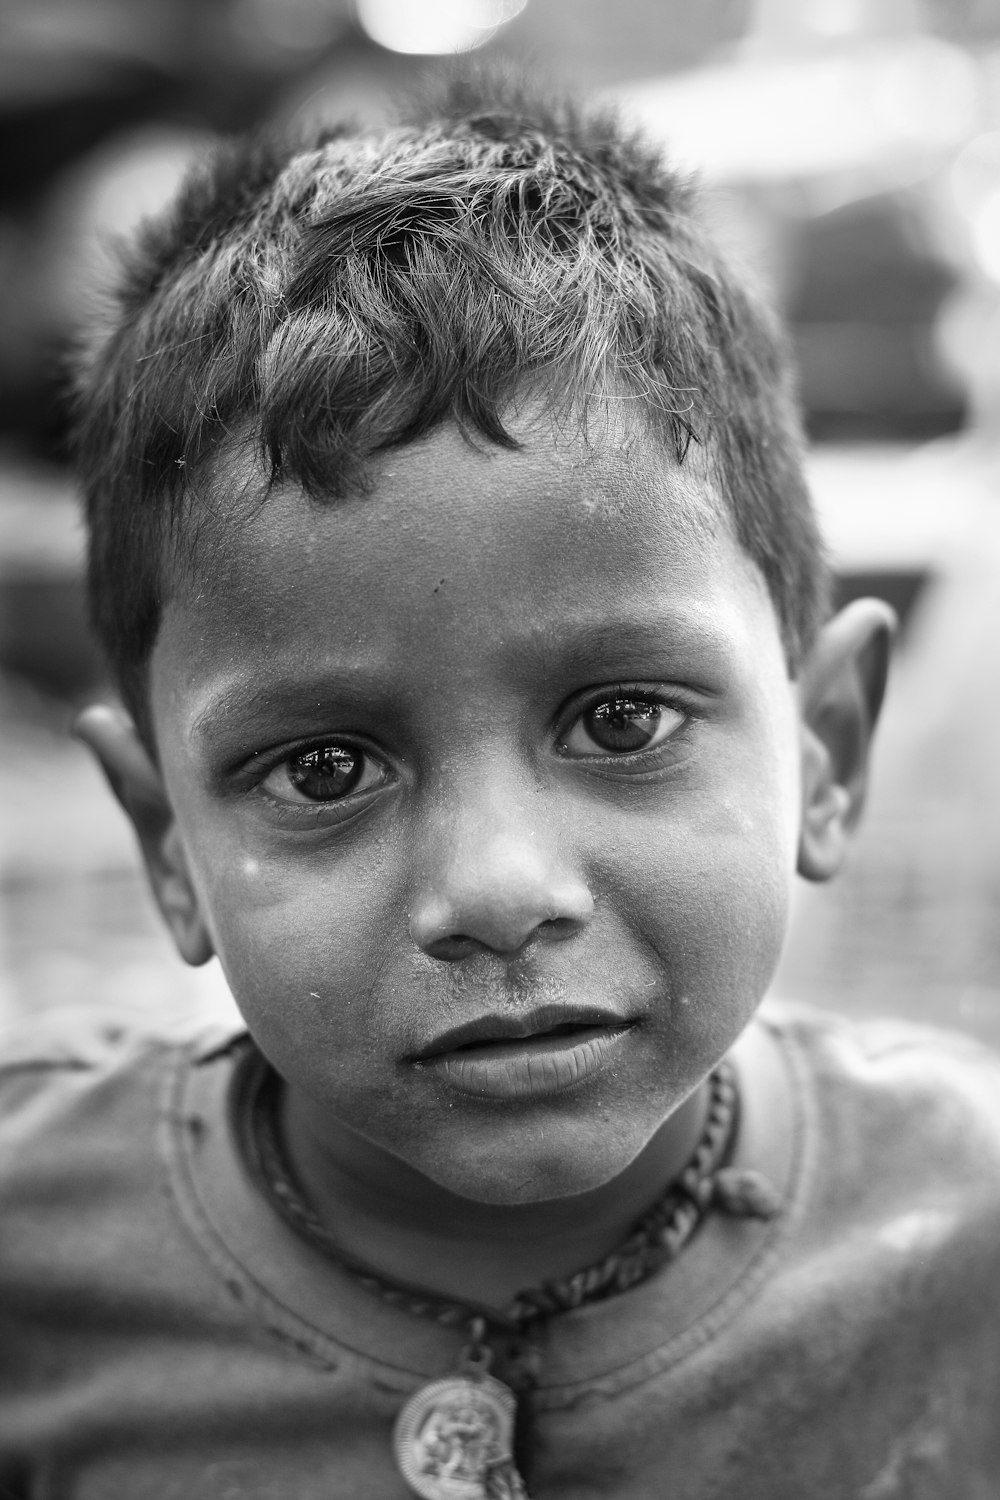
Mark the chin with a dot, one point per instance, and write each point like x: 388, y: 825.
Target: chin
x: 509, y: 1179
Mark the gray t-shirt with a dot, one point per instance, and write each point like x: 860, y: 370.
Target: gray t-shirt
x: 164, y: 1335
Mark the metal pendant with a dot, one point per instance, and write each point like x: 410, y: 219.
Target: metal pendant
x: 454, y: 1440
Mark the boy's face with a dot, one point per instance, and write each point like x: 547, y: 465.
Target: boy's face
x: 507, y: 744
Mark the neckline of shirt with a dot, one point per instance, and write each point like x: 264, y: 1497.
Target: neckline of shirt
x: 289, y: 1288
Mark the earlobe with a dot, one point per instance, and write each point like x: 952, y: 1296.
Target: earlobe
x: 136, y: 782
x: 841, y: 691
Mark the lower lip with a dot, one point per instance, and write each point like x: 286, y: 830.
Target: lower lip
x: 530, y: 1067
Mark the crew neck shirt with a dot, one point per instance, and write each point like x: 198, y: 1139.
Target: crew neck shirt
x: 165, y: 1334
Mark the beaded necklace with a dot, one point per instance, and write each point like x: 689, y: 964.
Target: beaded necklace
x: 454, y: 1438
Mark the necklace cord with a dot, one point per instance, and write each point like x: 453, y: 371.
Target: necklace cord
x: 657, y: 1238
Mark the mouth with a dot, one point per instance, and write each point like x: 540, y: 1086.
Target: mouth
x: 543, y: 1052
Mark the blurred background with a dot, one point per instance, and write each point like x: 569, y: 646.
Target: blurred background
x: 851, y: 154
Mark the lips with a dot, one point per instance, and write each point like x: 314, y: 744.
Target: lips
x: 541, y: 1052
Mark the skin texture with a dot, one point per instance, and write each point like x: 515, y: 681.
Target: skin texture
x: 454, y: 626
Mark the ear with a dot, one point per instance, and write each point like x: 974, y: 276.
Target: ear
x: 841, y: 691
x: 138, y: 785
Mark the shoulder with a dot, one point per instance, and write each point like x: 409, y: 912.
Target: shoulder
x: 888, y: 1052
x: 77, y: 1073
x: 92, y: 1039
x: 87, y: 1106
x: 895, y: 1099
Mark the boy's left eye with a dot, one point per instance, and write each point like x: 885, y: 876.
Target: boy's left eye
x: 624, y: 724
x: 326, y: 773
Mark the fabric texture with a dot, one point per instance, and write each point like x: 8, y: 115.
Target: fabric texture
x: 164, y: 1335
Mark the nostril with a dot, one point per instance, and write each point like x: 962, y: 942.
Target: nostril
x: 559, y: 927
x: 451, y: 948
x: 498, y: 905
x: 454, y: 946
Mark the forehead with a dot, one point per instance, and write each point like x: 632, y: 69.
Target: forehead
x: 458, y: 553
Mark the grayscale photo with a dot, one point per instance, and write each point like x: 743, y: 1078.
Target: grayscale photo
x: 500, y: 758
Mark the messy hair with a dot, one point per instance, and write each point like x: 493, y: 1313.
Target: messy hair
x: 319, y: 300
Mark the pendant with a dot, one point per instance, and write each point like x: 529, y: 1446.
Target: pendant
x: 454, y: 1440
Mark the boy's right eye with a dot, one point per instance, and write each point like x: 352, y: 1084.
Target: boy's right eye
x: 323, y: 773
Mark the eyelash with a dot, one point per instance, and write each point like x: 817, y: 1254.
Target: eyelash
x: 369, y: 762
x: 620, y: 693
x: 635, y: 693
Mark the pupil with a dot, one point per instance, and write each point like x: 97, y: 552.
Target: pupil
x: 323, y: 775
x: 623, y: 723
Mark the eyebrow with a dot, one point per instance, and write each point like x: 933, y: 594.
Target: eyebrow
x: 243, y: 701
x: 673, y: 631
x: 668, y: 635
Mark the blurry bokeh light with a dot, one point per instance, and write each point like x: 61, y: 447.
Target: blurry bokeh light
x: 974, y: 184
x: 985, y: 229
x: 790, y: 26
x: 975, y: 172
x: 434, y: 26
x: 777, y: 117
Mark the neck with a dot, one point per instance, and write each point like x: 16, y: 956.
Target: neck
x: 408, y: 1228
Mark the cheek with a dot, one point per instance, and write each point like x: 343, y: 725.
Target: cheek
x: 711, y: 894
x: 300, y: 947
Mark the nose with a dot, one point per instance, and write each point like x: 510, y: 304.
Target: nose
x: 494, y: 877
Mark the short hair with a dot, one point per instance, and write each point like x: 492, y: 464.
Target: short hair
x: 327, y: 297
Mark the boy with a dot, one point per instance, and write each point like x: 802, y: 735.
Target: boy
x: 450, y: 546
